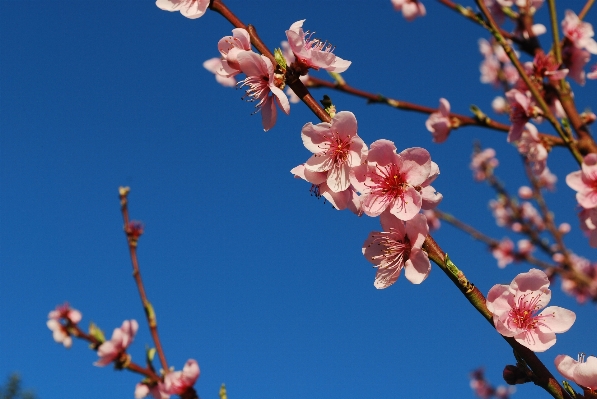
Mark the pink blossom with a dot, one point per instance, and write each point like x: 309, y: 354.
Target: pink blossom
x: 261, y: 82
x: 313, y: 53
x: 546, y: 66
x: 398, y: 182
x: 60, y: 331
x: 439, y: 123
x: 525, y: 192
x: 582, y: 371
x: 578, y: 32
x: 503, y: 252
x: 121, y: 339
x: 398, y: 247
x: 499, y: 105
x: 433, y: 222
x: 230, y: 47
x: 531, y: 146
x: 189, y: 8
x: 319, y: 188
x: 584, y: 182
x: 213, y: 65
x: 496, y: 65
x: 411, y: 9
x: 522, y: 108
x: 575, y: 59
x: 179, y: 382
x: 588, y: 224
x: 581, y: 291
x: 515, y: 310
x: 336, y: 149
x: 157, y: 391
x: 547, y: 179
x: 482, y: 163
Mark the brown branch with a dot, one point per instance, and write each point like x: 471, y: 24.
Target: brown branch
x: 542, y: 375
x: 132, y: 242
x: 463, y: 120
x: 492, y: 26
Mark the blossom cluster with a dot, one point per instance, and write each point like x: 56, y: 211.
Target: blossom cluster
x: 375, y: 181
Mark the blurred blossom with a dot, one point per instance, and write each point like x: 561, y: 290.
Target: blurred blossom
x: 60, y: 331
x: 525, y: 192
x: 213, y: 65
x: 578, y: 32
x: 113, y: 349
x: 564, y: 228
x: 433, y: 222
x: 483, y: 162
x: 439, y: 123
x: 582, y: 292
x: 515, y: 310
x: 411, y: 9
x: 547, y: 179
x: 584, y: 182
x: 504, y: 252
x: 179, y: 382
x: 499, y: 105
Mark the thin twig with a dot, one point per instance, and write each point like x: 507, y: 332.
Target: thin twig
x: 149, y: 312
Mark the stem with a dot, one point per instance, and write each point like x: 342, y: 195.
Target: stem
x: 553, y: 18
x: 538, y: 97
x: 491, y: 243
x: 583, y: 13
x: 463, y: 120
x: 134, y: 367
x: 543, y: 377
x: 149, y: 312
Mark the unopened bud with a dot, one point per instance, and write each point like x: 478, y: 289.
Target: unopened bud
x: 515, y: 375
x: 525, y: 192
x: 564, y: 228
x: 558, y: 257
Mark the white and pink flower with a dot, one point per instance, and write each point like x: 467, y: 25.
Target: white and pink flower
x: 522, y: 109
x: 336, y: 149
x: 578, y: 32
x: 313, y: 53
x: 213, y: 65
x: 516, y: 307
x: 398, y: 247
x: 531, y: 146
x: 230, y: 47
x: 439, y: 123
x: 584, y: 182
x: 411, y: 9
x: 179, y: 382
x: 582, y: 371
x: 60, y: 331
x: 261, y: 82
x: 191, y: 9
x: 397, y: 182
x: 113, y: 349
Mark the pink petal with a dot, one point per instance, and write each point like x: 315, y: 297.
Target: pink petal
x: 319, y: 163
x: 358, y: 152
x: 372, y: 249
x: 533, y: 280
x: 339, y: 65
x: 281, y: 99
x: 538, y: 341
x: 344, y: 124
x: 586, y: 373
x: 383, y: 152
x: 444, y: 107
x: 339, y: 177
x: 251, y: 64
x: 314, y: 136
x: 390, y: 222
x: 407, y: 208
x: 574, y: 181
x: 417, y: 267
x: 268, y: 114
x: 416, y: 165
x: 566, y: 366
x: 339, y: 200
x: 561, y: 322
x: 498, y: 299
x: 417, y: 230
x: 386, y: 276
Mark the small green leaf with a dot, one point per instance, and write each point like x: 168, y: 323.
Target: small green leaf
x: 96, y: 332
x: 223, y: 394
x: 280, y: 58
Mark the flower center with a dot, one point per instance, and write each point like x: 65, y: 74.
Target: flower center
x: 257, y: 89
x: 336, y: 148
x: 524, y: 315
x: 396, y: 248
x: 388, y: 183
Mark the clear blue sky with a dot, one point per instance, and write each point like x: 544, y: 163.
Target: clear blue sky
x: 262, y: 284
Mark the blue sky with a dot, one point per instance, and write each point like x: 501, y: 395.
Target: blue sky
x: 262, y: 284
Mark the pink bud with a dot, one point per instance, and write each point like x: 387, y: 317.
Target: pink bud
x: 525, y: 192
x: 564, y: 228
